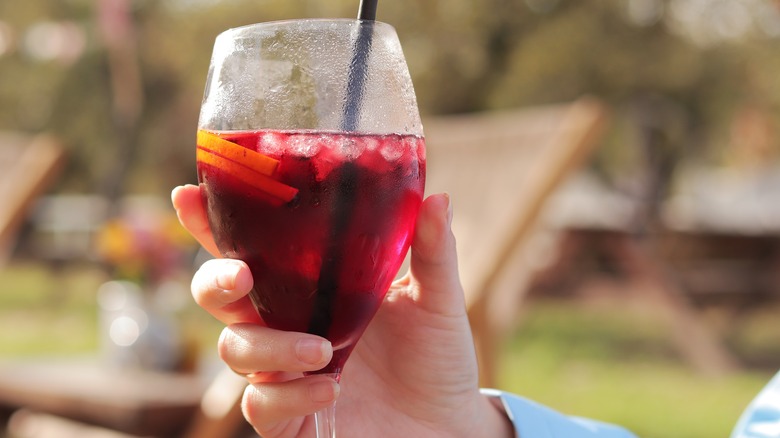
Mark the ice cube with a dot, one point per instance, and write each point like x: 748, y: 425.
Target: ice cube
x: 304, y: 145
x: 370, y: 143
x: 349, y: 148
x: 418, y: 147
x: 392, y: 147
x: 270, y: 143
x: 324, y: 166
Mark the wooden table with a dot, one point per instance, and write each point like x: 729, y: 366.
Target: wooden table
x: 137, y: 402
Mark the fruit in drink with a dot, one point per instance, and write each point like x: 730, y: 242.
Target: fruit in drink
x: 323, y: 219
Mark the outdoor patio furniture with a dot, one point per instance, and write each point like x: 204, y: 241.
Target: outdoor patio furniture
x: 28, y: 164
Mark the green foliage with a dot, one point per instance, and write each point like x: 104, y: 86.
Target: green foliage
x: 464, y: 55
x: 46, y: 312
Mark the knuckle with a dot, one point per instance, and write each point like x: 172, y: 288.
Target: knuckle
x: 258, y: 410
x: 251, y: 405
x: 271, y: 409
x: 203, y: 282
x: 226, y: 344
x: 244, y: 349
x: 234, y: 348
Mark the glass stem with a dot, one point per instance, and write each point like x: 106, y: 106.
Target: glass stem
x: 325, y: 419
x: 326, y: 422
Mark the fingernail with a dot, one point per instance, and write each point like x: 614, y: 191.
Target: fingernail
x: 449, y: 208
x: 323, y: 392
x: 226, y: 279
x: 311, y: 351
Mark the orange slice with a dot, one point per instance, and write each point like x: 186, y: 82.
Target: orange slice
x: 234, y: 152
x: 248, y: 176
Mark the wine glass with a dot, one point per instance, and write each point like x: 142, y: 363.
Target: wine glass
x: 311, y: 161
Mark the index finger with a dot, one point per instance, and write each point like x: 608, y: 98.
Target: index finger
x: 189, y: 208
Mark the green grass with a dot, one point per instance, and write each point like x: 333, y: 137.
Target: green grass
x: 617, y: 365
x: 607, y: 360
x: 46, y: 313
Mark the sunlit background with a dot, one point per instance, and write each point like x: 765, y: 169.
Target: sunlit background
x: 94, y: 264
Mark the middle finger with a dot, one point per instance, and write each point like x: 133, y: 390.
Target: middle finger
x: 251, y: 348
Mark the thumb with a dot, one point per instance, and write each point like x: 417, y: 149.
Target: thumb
x: 434, y: 261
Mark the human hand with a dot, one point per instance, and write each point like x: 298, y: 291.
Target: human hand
x: 412, y: 374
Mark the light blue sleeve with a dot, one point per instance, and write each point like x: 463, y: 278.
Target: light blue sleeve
x: 761, y: 419
x: 532, y: 420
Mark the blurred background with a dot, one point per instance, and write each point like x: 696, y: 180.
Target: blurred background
x: 98, y: 109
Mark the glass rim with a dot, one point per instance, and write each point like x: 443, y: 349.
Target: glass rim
x: 292, y: 21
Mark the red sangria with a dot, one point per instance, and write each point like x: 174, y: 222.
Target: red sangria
x: 323, y: 219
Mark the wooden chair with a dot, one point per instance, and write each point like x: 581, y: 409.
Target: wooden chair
x: 27, y: 165
x: 500, y: 169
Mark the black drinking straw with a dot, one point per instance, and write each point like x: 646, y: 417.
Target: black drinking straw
x: 359, y: 64
x: 345, y: 191
x: 367, y: 10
